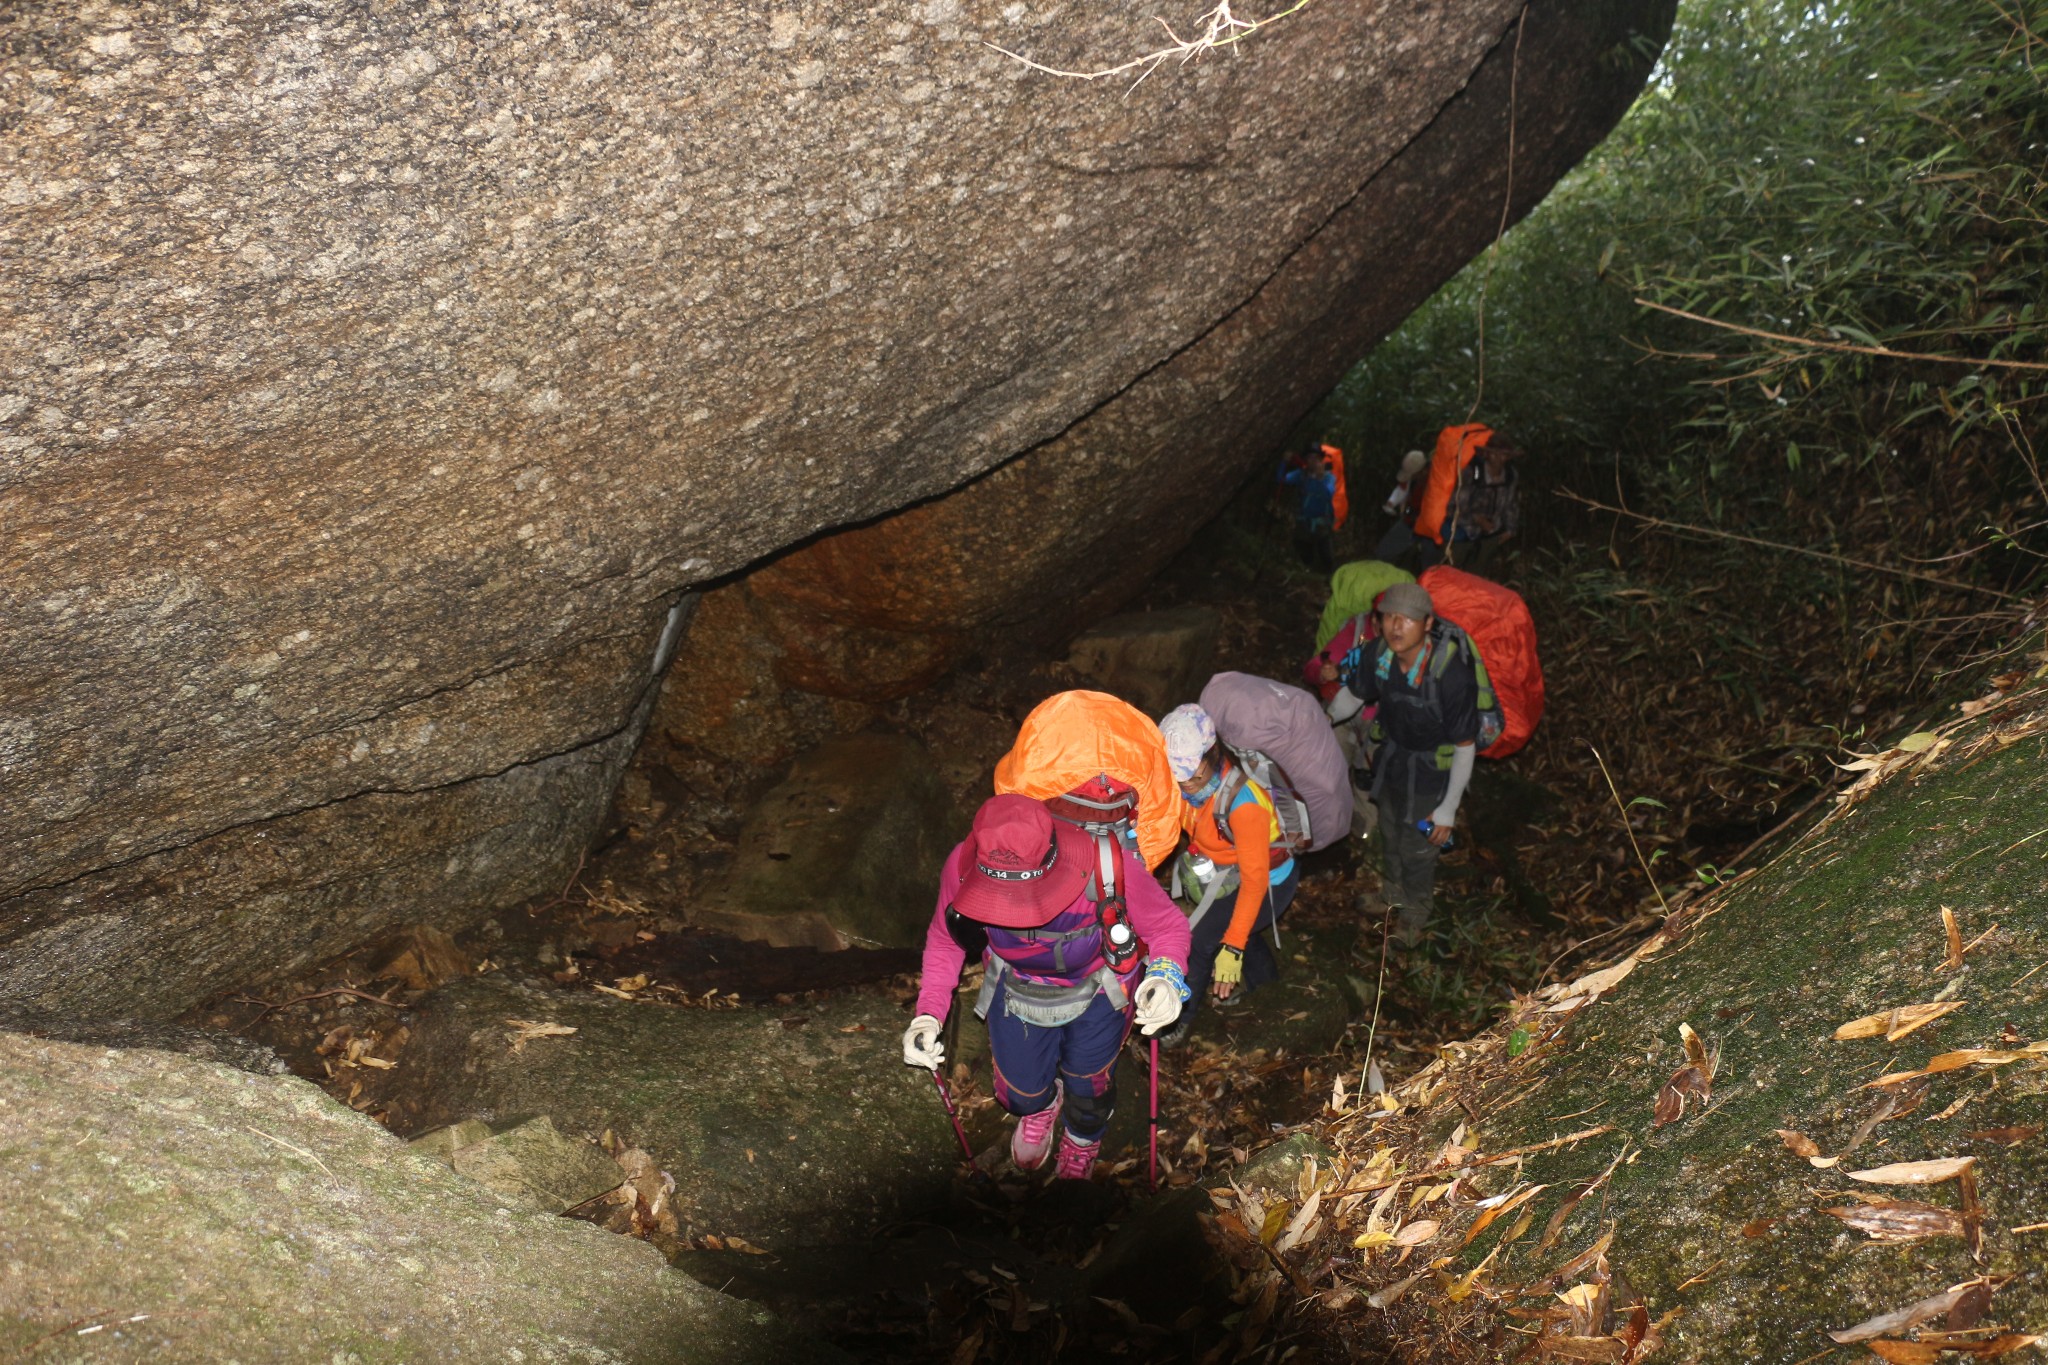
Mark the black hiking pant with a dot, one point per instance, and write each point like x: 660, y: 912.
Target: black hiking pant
x: 1407, y: 875
x: 1406, y: 788
x: 1260, y: 966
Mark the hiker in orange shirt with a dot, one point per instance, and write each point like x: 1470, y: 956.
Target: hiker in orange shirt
x: 1231, y: 831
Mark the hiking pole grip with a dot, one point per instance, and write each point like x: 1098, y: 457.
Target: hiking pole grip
x: 1152, y: 1131
x: 953, y: 1114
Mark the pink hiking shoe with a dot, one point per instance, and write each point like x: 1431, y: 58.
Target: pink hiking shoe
x: 1077, y: 1158
x: 1031, y: 1142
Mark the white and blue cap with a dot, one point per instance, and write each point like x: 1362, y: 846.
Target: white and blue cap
x: 1189, y: 734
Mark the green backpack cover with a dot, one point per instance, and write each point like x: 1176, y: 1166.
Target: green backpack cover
x: 1352, y: 590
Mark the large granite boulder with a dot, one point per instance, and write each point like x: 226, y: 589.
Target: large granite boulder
x: 374, y: 381
x: 1070, y: 530
x: 158, y: 1208
x: 1155, y: 660
x: 790, y: 1126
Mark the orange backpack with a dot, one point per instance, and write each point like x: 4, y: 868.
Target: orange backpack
x: 1340, y: 496
x: 1455, y: 447
x: 1072, y: 738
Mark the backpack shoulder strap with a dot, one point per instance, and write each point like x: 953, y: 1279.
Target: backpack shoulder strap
x: 1226, y: 798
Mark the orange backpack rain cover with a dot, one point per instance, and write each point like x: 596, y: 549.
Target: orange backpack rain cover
x: 1455, y: 447
x: 1499, y: 623
x: 1340, y: 496
x: 1071, y: 737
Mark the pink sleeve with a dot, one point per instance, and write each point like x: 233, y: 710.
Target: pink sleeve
x: 943, y: 958
x: 1154, y: 915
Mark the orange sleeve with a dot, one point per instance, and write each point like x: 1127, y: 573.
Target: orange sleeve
x: 1250, y: 827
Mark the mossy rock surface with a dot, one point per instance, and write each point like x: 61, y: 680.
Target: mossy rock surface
x: 190, y: 1212
x: 841, y: 852
x: 791, y: 1126
x: 1844, y: 924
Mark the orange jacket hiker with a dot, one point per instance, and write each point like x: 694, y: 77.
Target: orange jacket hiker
x: 1253, y: 830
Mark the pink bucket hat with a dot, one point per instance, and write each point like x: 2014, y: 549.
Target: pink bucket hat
x: 1023, y: 867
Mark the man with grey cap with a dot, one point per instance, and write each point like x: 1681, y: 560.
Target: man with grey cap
x: 1426, y: 735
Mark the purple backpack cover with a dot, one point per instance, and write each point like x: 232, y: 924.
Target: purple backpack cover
x: 1288, y: 726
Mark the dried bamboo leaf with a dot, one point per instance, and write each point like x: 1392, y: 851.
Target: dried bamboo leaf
x: 1930, y: 1172
x: 1392, y: 1293
x: 1900, y: 1220
x: 1899, y: 1319
x: 1905, y: 1352
x: 1895, y: 1024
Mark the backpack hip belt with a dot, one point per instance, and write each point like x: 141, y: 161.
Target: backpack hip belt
x: 1042, y: 1003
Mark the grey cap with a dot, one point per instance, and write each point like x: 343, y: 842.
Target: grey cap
x: 1408, y: 599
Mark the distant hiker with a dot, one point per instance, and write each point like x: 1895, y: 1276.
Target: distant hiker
x: 1232, y: 830
x: 1021, y: 895
x: 1424, y: 681
x: 1400, y: 505
x: 1486, y: 510
x: 1456, y: 448
x: 1316, y: 476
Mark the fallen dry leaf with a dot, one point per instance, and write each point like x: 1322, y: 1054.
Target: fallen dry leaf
x: 1416, y: 1233
x: 1955, y: 1061
x: 1895, y: 1024
x: 1555, y: 1227
x: 1905, y: 1352
x: 525, y: 1031
x: 1799, y: 1144
x: 1584, y: 1348
x: 1954, y: 933
x: 1972, y: 1211
x: 1900, y: 1220
x: 2006, y: 1137
x: 1488, y: 1215
x: 1391, y: 1295
x: 1901, y: 1319
x: 1929, y: 1172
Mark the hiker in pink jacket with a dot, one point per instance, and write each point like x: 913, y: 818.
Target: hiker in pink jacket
x: 1068, y: 971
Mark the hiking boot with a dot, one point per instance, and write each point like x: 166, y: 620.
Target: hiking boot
x: 1077, y: 1158
x: 1031, y: 1142
x: 1409, y: 927
x: 1176, y: 1033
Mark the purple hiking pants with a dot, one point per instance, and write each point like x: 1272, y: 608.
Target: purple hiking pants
x: 1081, y: 1055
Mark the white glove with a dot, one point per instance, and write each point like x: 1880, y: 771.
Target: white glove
x: 921, y: 1043
x: 1158, y: 1004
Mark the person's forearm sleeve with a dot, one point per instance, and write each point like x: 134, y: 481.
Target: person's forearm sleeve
x: 943, y: 956
x: 1249, y: 825
x: 1462, y: 759
x: 1160, y: 922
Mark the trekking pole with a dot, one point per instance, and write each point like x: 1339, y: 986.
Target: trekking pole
x: 1152, y: 1139
x: 946, y: 1098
